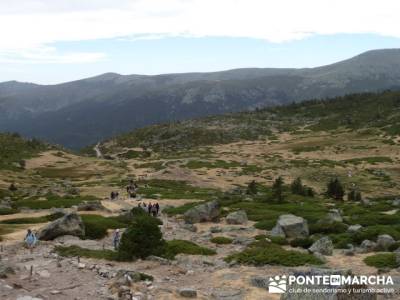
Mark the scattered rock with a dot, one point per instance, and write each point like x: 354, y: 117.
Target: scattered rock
x: 187, y: 293
x: 334, y: 216
x: 354, y: 228
x: 367, y: 246
x: 215, y: 229
x: 384, y: 241
x: 227, y: 294
x: 5, y: 270
x: 206, y: 212
x: 243, y: 240
x: 350, y: 251
x: 291, y: 226
x: 323, y: 246
x: 260, y: 281
x: 190, y: 227
x: 237, y: 217
x: 320, y: 256
x: 44, y: 273
x: 396, y: 202
x: 70, y: 224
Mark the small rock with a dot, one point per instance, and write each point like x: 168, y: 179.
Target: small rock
x: 190, y: 227
x: 215, y: 229
x: 187, y: 293
x: 81, y: 266
x: 55, y: 292
x: 354, y: 228
x: 323, y: 246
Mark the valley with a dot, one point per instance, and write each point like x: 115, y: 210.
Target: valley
x: 230, y: 163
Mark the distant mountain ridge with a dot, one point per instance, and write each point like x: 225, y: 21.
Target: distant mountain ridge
x: 82, y: 112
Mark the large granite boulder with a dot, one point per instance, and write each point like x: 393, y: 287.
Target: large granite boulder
x: 237, y: 217
x: 367, y: 246
x: 384, y: 241
x: 323, y: 246
x: 206, y: 212
x: 291, y: 226
x: 70, y: 224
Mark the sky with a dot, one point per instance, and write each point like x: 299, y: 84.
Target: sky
x: 53, y: 41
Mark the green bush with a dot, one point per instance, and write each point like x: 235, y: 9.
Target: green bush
x: 265, y: 225
x: 260, y: 237
x: 8, y: 211
x: 179, y: 210
x: 278, y: 240
x: 382, y: 260
x: 175, y: 247
x: 341, y: 240
x: 143, y: 238
x: 327, y: 228
x: 96, y: 226
x: 301, y: 242
x: 221, y: 240
x: 53, y: 201
x: 372, y: 232
x: 263, y: 253
x: 36, y: 220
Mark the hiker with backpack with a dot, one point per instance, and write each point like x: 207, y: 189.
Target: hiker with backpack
x: 30, y: 239
x: 116, y: 239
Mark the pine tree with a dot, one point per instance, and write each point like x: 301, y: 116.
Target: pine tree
x: 335, y: 189
x: 297, y: 187
x: 252, y: 188
x: 277, y: 189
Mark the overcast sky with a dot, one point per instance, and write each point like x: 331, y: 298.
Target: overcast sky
x: 50, y: 41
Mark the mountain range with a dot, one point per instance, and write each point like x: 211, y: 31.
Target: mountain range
x: 79, y: 113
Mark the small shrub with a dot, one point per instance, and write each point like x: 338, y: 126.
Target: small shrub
x: 43, y: 219
x: 141, y: 239
x: 221, y: 240
x: 302, y: 243
x: 175, y: 247
x: 8, y: 211
x: 264, y: 253
x: 327, y: 228
x: 265, y: 224
x: 278, y: 240
x: 382, y: 260
x: 372, y: 232
x: 342, y: 240
x: 96, y: 226
x: 260, y: 237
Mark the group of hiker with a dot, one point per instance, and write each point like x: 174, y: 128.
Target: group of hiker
x: 152, y: 209
x: 132, y: 189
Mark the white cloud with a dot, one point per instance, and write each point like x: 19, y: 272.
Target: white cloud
x: 30, y: 26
